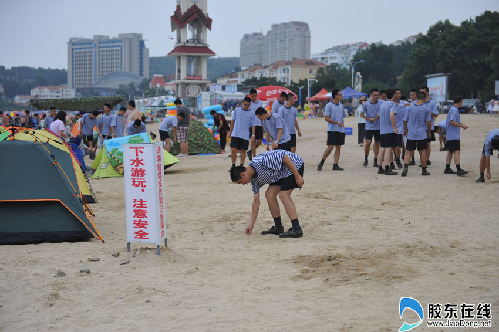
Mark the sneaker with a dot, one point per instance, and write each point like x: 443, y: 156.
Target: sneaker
x: 462, y: 172
x: 399, y: 165
x: 274, y: 231
x: 293, y: 233
x: 337, y: 168
x: 404, y: 172
x: 375, y: 164
x: 392, y: 167
x: 92, y: 156
x: 250, y: 155
x: 390, y: 172
x: 425, y: 173
x: 449, y: 171
x: 319, y: 167
x: 412, y: 163
x: 223, y: 152
x: 428, y: 163
x: 182, y: 155
x: 365, y: 163
x: 480, y: 179
x: 380, y: 171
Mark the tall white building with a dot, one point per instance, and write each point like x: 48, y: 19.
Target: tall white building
x: 89, y: 60
x: 285, y: 41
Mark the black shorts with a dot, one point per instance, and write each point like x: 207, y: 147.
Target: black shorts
x: 388, y: 140
x: 88, y: 138
x: 239, y: 143
x: 163, y: 135
x: 419, y: 144
x: 284, y: 146
x: 432, y: 136
x: 289, y: 182
x: 400, y: 140
x: 454, y: 145
x: 335, y: 138
x: 483, y: 150
x: 371, y: 133
x: 258, y: 133
x: 293, y: 140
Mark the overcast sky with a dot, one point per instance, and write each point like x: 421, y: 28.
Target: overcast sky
x: 35, y: 33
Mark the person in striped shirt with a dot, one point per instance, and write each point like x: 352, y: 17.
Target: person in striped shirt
x: 256, y: 131
x: 275, y: 127
x: 283, y: 172
x: 491, y: 144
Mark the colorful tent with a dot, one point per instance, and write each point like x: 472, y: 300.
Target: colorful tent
x: 109, y: 162
x: 321, y: 95
x: 200, y: 140
x: 42, y: 197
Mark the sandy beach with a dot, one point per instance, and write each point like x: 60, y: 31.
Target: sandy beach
x: 368, y: 240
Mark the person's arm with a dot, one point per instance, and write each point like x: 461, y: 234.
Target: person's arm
x: 297, y: 127
x: 99, y: 127
x: 299, y: 180
x: 328, y: 119
x: 394, y: 123
x: 174, y: 134
x: 254, y: 213
x: 460, y: 125
x: 267, y: 136
x: 231, y: 126
x: 428, y: 128
x: 276, y: 142
x: 405, y: 128
x: 487, y: 167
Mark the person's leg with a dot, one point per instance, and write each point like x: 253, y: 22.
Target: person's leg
x: 271, y: 196
x: 293, y: 149
x: 337, y: 154
x: 398, y: 152
x: 424, y: 157
x: 360, y: 134
x: 366, y: 150
x: 289, y: 205
x: 428, y: 152
x: 482, y: 164
x: 184, y: 148
x: 457, y: 157
x: 223, y: 141
x: 380, y: 156
x: 243, y: 156
x: 168, y: 144
x: 253, y: 148
x: 257, y: 145
x: 327, y: 152
x: 233, y: 155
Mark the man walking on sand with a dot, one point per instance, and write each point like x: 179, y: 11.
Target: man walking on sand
x: 370, y: 112
x: 183, y: 127
x: 283, y: 172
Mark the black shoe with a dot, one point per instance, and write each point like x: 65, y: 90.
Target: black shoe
x: 365, y: 163
x: 381, y: 171
x: 399, y: 165
x: 92, y: 156
x: 412, y: 163
x: 392, y: 167
x: 449, y: 171
x: 250, y: 155
x: 293, y: 233
x: 274, y: 231
x: 480, y: 179
x: 375, y: 164
x: 319, y: 167
x: 425, y: 173
x: 428, y: 163
x: 390, y: 172
x: 404, y: 172
x: 337, y: 168
x: 462, y: 172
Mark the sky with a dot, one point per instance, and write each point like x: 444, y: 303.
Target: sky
x: 35, y: 33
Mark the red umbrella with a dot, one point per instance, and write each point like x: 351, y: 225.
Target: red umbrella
x: 321, y: 95
x: 271, y: 92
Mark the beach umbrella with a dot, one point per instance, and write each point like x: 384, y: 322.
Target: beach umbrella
x: 271, y: 92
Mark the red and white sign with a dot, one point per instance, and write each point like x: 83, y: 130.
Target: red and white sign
x: 271, y: 92
x: 145, y: 202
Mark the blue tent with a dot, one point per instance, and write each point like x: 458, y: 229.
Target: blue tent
x: 349, y: 93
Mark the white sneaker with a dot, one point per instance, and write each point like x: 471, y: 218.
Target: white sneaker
x: 182, y: 155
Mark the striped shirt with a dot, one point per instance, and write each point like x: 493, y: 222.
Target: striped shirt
x: 253, y: 107
x: 487, y: 147
x: 273, y: 124
x: 269, y: 167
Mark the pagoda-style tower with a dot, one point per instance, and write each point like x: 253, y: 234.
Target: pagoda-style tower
x: 191, y: 21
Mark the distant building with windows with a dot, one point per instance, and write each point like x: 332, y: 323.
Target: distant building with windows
x: 285, y: 41
x: 52, y: 92
x: 89, y: 60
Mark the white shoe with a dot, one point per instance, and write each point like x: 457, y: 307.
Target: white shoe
x: 182, y: 155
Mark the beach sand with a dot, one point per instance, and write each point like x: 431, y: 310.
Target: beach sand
x: 368, y: 241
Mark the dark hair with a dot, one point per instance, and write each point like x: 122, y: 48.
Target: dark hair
x: 212, y: 112
x: 260, y: 111
x: 1, y: 112
x: 390, y: 93
x: 374, y: 90
x: 123, y: 109
x: 382, y: 91
x: 284, y: 94
x: 235, y: 173
x: 457, y: 99
x: 52, y: 108
x: 131, y: 103
x: 177, y: 102
x: 415, y: 90
x: 26, y: 112
x: 182, y: 115
x: 137, y: 123
x: 403, y: 98
x: 95, y: 113
x: 424, y: 88
x: 335, y: 92
x: 289, y: 96
x: 61, y: 116
x: 44, y: 116
x: 421, y: 95
x: 253, y: 91
x: 494, y: 142
x: 108, y: 105
x: 247, y: 99
x: 437, y: 129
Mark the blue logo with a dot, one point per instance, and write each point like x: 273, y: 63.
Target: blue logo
x: 414, y: 305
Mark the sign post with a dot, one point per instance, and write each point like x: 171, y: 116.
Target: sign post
x: 145, y: 203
